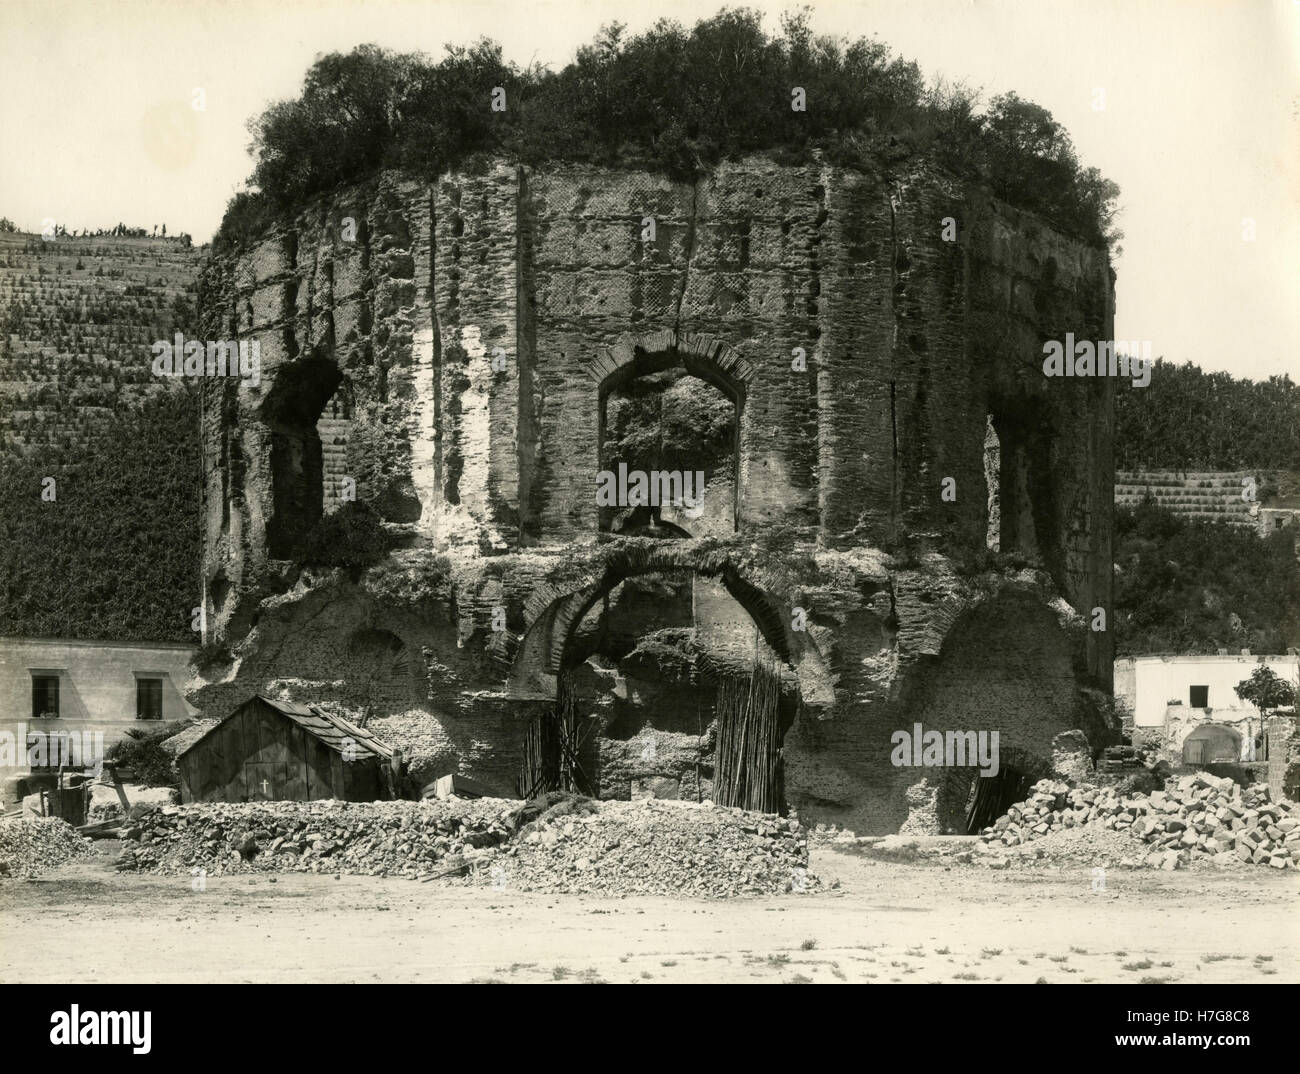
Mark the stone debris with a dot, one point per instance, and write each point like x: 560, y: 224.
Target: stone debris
x: 1195, y: 818
x: 30, y: 846
x: 647, y: 847
x: 660, y: 847
x: 363, y: 838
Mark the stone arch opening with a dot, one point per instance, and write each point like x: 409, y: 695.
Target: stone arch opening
x: 654, y: 703
x: 969, y: 802
x: 678, y: 424
x: 1212, y: 744
x: 380, y: 663
x: 291, y: 411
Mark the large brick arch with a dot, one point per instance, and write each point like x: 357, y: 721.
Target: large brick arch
x: 704, y: 356
x: 552, y: 614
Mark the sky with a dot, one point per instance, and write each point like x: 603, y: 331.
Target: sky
x: 1199, y: 121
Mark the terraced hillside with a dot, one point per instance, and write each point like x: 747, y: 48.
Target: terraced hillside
x: 110, y: 549
x: 77, y: 317
x: 1214, y: 496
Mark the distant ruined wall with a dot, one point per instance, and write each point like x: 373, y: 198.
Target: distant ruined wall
x: 485, y: 471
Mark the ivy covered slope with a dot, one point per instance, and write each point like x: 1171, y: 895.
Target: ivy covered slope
x: 1191, y: 419
x: 115, y: 554
x: 670, y: 99
x: 1190, y: 586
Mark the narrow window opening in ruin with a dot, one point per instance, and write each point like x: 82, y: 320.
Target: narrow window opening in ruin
x: 1017, y: 444
x: 681, y: 432
x: 992, y: 481
x: 333, y: 429
x: 292, y: 409
x: 218, y: 593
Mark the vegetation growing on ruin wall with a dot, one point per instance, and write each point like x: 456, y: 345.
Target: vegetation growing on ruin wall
x: 1189, y: 586
x: 114, y: 555
x: 670, y: 99
x: 1190, y: 419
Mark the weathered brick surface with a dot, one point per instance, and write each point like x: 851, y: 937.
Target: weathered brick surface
x: 488, y: 474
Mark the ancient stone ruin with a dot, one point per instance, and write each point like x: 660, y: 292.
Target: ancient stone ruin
x: 902, y: 521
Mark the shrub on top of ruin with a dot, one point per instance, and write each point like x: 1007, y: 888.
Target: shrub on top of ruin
x: 248, y: 215
x: 669, y: 99
x: 211, y: 655
x: 352, y: 537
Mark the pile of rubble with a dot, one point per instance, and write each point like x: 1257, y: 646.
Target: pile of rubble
x: 611, y: 848
x: 1197, y: 817
x: 659, y: 847
x: 30, y: 846
x: 366, y: 838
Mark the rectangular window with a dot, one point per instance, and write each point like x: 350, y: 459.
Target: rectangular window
x: 148, y: 699
x: 1200, y: 697
x: 45, y: 697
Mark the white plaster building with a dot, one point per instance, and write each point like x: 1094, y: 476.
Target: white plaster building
x: 55, y: 686
x: 1177, y: 694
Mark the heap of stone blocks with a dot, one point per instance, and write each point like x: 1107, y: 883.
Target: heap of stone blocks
x: 1195, y: 817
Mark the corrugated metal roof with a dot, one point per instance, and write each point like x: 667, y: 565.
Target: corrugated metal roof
x: 332, y: 730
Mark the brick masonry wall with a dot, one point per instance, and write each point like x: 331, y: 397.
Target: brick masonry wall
x: 486, y: 472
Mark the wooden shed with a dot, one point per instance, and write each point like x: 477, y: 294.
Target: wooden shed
x: 282, y: 751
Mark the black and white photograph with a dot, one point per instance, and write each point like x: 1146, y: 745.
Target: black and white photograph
x: 581, y: 492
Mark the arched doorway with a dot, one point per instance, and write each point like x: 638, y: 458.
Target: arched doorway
x: 680, y: 431
x: 969, y: 802
x: 678, y: 423
x: 1212, y: 744
x: 677, y: 402
x: 671, y: 681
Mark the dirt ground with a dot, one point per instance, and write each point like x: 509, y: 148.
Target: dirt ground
x: 886, y: 922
